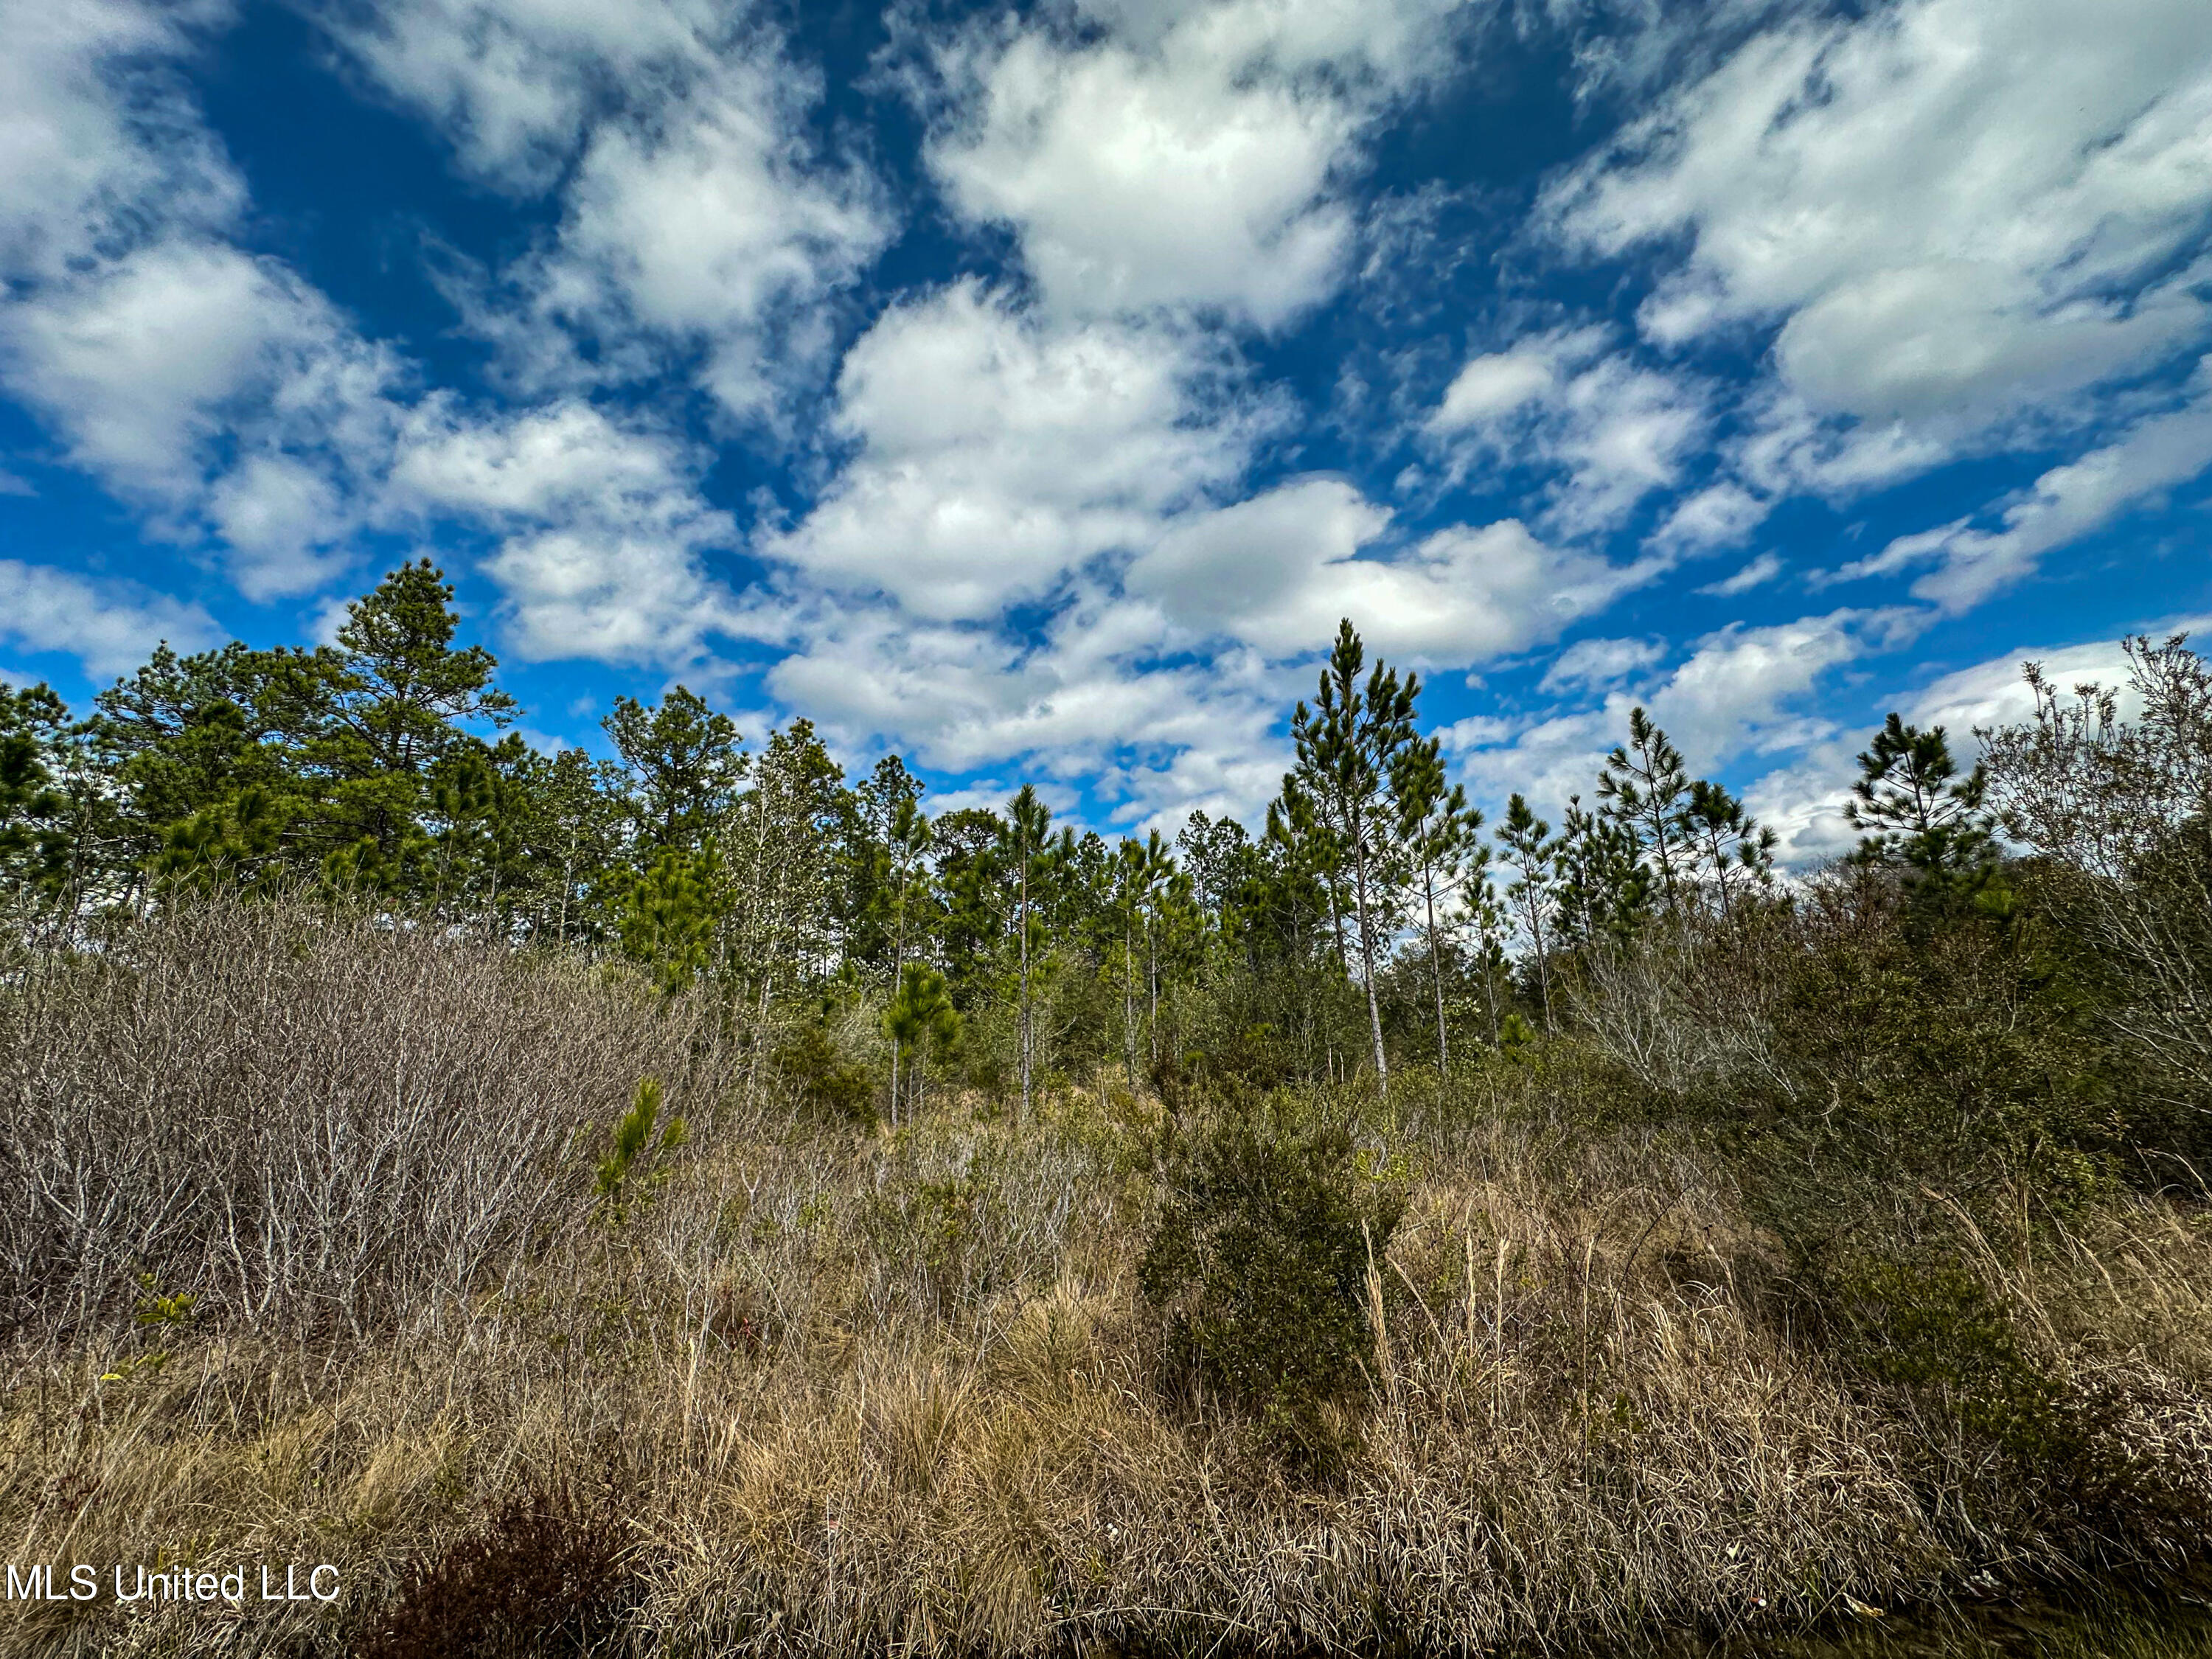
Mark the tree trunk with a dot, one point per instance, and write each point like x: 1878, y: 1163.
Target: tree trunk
x: 1129, y: 1001
x: 1436, y: 970
x: 1152, y: 984
x: 898, y: 972
x: 1367, y: 965
x: 1022, y: 1040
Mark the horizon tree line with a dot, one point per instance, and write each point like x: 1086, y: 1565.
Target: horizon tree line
x: 1367, y: 920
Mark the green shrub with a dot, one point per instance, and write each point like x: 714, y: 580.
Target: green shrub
x: 828, y: 1087
x: 1927, y: 1325
x: 624, y: 1178
x: 1258, y: 1264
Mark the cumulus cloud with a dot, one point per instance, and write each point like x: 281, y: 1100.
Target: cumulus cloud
x: 701, y: 227
x: 217, y: 393
x: 1992, y: 693
x: 1941, y: 201
x: 601, y: 531
x: 1961, y: 220
x: 1610, y: 429
x: 1721, y: 515
x: 99, y: 131
x: 511, y: 84
x: 217, y: 390
x: 1278, y: 571
x: 1188, y: 156
x: 1804, y: 799
x: 109, y: 626
x: 1597, y: 663
x: 1088, y: 701
x: 1740, y: 692
x: 1760, y: 571
x: 994, y: 454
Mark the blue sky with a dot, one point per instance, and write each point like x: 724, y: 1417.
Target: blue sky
x: 1030, y: 389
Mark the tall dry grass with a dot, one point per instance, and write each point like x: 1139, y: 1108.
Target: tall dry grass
x: 833, y: 1392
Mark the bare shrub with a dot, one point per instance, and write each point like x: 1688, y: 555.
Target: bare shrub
x: 306, y: 1122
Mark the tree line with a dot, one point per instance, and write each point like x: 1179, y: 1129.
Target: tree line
x: 1374, y: 920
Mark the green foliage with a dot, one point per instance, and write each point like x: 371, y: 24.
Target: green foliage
x: 1258, y: 1266
x: 156, y: 1307
x: 236, y: 843
x: 1925, y: 1323
x: 1351, y: 746
x: 633, y: 1168
x: 35, y: 841
x: 668, y: 916
x: 1646, y: 791
x: 1915, y: 813
x: 1959, y: 1056
x: 922, y: 1016
x: 682, y: 768
x: 825, y: 1084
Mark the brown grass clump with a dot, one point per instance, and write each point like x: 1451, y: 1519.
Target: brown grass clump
x: 834, y: 1392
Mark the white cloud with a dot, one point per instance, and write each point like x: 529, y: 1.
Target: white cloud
x: 701, y: 227
x: 1738, y: 689
x: 1494, y: 384
x: 1611, y: 429
x: 1960, y: 215
x: 996, y: 455
x: 603, y: 533
x: 1721, y: 515
x: 1191, y: 157
x: 2069, y: 502
x: 111, y: 627
x: 1593, y: 663
x: 1279, y: 570
x: 1136, y: 185
x: 1804, y: 800
x: 704, y: 230
x: 210, y: 388
x: 1992, y: 693
x: 1761, y: 570
x: 1087, y: 702
x: 513, y: 82
x: 1741, y: 691
x: 96, y: 131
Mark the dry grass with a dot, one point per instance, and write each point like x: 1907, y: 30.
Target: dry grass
x: 837, y: 1394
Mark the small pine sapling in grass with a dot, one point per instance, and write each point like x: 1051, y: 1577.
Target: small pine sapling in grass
x: 621, y: 1183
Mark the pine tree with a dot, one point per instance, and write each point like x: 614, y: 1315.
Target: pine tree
x: 1131, y: 879
x: 181, y: 736
x: 1646, y: 788
x: 35, y: 842
x: 910, y: 834
x: 1029, y: 822
x: 1604, y: 887
x: 1530, y: 849
x: 1731, y: 843
x: 1436, y: 832
x: 920, y: 1020
x: 1913, y: 809
x: 387, y: 706
x: 1487, y: 915
x: 233, y: 845
x: 1348, y: 745
x: 684, y: 768
x: 670, y: 914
